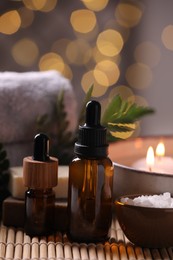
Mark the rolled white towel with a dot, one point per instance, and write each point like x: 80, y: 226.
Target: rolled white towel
x: 23, y: 98
x: 26, y: 96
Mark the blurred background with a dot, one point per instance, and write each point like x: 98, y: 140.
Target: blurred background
x: 123, y: 46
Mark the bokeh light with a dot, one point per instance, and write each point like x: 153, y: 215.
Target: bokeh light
x: 67, y: 72
x: 106, y: 73
x: 147, y: 53
x: 49, y: 5
x: 128, y: 14
x: 125, y: 92
x: 112, y: 24
x: 95, y: 5
x: 27, y: 17
x: 139, y: 76
x: 98, y: 56
x: 110, y: 42
x: 43, y: 5
x: 51, y: 61
x: 83, y: 20
x: 167, y: 37
x: 10, y: 22
x: 60, y: 46
x: 34, y: 5
x: 25, y: 52
x: 139, y: 100
x: 78, y: 52
x: 88, y: 80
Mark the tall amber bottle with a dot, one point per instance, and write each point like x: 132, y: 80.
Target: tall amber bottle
x: 40, y: 176
x: 90, y: 181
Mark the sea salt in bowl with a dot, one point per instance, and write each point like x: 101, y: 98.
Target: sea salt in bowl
x: 146, y: 223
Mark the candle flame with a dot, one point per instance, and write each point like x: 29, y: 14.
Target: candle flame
x: 160, y: 149
x: 150, y: 158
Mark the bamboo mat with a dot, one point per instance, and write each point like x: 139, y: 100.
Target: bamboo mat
x: 15, y: 244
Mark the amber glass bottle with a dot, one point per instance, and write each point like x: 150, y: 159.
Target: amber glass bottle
x: 90, y: 181
x: 40, y: 176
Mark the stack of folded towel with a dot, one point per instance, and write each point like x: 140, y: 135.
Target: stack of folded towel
x: 23, y: 98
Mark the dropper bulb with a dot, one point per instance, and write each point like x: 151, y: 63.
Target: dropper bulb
x: 91, y: 141
x: 41, y: 148
x: 93, y: 111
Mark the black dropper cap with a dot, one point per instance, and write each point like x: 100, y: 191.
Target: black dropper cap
x: 41, y: 148
x: 92, y: 135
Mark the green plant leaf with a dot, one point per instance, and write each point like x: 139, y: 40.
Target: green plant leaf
x: 119, y: 128
x: 131, y: 114
x: 111, y: 138
x: 120, y: 113
x: 113, y: 107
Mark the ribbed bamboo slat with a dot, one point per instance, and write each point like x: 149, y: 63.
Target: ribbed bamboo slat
x: 16, y: 245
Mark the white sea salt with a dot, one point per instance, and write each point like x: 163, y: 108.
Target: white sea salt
x: 153, y: 201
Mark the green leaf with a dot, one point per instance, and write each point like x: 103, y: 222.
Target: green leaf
x: 131, y: 115
x: 120, y: 113
x: 135, y: 112
x: 111, y: 138
x: 119, y: 128
x: 113, y: 107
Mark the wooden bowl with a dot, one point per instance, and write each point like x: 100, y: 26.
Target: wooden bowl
x: 146, y: 227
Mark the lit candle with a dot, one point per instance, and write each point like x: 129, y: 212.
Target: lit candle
x: 160, y: 150
x: 159, y: 163
x: 150, y: 160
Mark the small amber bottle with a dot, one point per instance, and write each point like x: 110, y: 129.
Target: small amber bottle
x: 90, y: 181
x: 40, y: 176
